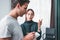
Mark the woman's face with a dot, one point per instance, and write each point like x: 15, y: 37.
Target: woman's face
x: 29, y: 15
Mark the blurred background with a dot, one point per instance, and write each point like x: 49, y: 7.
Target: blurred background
x: 44, y: 9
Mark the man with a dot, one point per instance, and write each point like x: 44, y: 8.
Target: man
x: 9, y: 27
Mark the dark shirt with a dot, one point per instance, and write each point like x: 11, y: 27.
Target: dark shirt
x: 30, y: 26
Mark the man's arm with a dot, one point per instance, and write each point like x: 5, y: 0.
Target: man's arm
x: 29, y: 36
x: 5, y: 38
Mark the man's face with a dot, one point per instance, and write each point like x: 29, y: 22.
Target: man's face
x: 23, y: 9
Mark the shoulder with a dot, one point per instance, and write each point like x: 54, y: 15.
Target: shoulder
x: 4, y: 27
x: 23, y: 24
x: 5, y: 23
x: 35, y: 23
x: 5, y: 20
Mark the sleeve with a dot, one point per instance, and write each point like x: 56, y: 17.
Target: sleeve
x: 23, y: 29
x: 39, y: 36
x: 4, y: 32
x: 36, y: 27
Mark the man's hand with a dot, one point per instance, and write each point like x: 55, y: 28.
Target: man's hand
x: 29, y: 36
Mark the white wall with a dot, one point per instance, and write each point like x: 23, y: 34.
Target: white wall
x: 5, y: 6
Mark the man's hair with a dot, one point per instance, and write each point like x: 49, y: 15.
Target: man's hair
x: 21, y: 2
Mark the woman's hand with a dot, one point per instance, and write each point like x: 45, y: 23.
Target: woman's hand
x: 39, y: 25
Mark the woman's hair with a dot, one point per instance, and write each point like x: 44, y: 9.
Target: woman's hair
x: 27, y: 11
x: 30, y: 10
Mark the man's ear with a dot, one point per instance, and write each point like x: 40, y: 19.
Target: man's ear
x: 18, y: 5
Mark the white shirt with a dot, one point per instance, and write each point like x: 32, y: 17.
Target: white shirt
x: 9, y: 27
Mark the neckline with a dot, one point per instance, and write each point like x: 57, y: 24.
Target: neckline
x: 11, y: 17
x: 28, y: 21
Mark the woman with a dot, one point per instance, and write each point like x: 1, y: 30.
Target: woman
x: 29, y: 25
